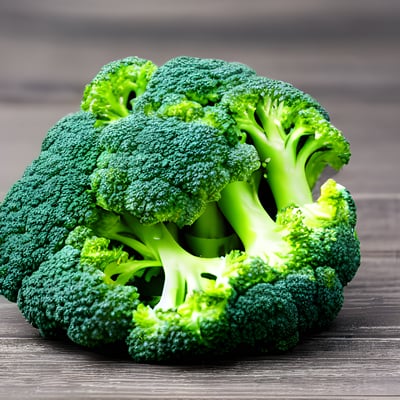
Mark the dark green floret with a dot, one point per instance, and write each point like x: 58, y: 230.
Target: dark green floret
x: 49, y: 201
x: 166, y: 170
x: 190, y: 88
x: 198, y: 80
x: 72, y: 293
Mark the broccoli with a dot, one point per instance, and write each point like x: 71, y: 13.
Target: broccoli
x: 49, y: 201
x: 319, y: 233
x: 194, y: 80
x: 191, y: 88
x: 174, y: 213
x: 292, y: 134
x: 114, y: 90
x: 165, y: 169
x: 290, y: 130
x: 80, y: 301
x: 52, y: 197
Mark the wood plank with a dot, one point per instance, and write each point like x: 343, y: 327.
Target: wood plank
x: 378, y: 224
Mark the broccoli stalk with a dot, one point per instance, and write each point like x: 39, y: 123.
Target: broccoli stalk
x: 184, y: 273
x: 278, y: 154
x: 256, y: 229
x: 210, y: 224
x: 211, y: 235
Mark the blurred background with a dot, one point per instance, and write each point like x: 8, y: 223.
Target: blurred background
x: 345, y: 53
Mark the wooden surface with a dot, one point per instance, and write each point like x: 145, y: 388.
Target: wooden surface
x: 345, y: 53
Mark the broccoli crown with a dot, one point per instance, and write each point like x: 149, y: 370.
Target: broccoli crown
x: 114, y: 90
x: 175, y: 213
x: 281, y: 99
x: 166, y: 170
x: 48, y: 201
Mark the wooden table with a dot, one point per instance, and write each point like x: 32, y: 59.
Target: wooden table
x: 345, y: 53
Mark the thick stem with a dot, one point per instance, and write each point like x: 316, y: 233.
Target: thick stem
x: 210, y: 224
x: 287, y: 179
x: 184, y: 272
x: 242, y: 208
x: 210, y: 235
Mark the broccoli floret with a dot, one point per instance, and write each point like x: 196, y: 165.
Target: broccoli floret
x: 328, y: 226
x: 198, y: 328
x: 321, y: 233
x: 71, y: 292
x: 114, y: 90
x: 166, y: 170
x: 196, y: 80
x: 317, y: 294
x: 49, y: 201
x: 273, y: 314
x: 265, y: 318
x: 175, y: 214
x: 303, y: 289
x: 292, y: 134
x: 190, y: 88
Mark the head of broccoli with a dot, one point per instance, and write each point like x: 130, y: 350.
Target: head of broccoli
x: 175, y: 213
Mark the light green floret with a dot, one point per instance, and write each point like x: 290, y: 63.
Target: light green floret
x: 114, y: 90
x: 291, y: 133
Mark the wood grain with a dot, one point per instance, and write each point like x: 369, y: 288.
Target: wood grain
x: 344, y: 53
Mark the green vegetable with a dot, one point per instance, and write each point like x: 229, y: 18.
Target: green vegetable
x: 175, y: 213
x: 292, y: 134
x: 49, y: 200
x: 113, y: 91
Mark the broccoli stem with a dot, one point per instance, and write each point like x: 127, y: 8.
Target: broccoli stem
x: 115, y: 227
x: 125, y: 271
x: 184, y: 273
x: 157, y: 244
x: 287, y: 180
x: 116, y: 108
x: 210, y: 224
x: 285, y: 175
x: 210, y: 235
x: 258, y: 232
